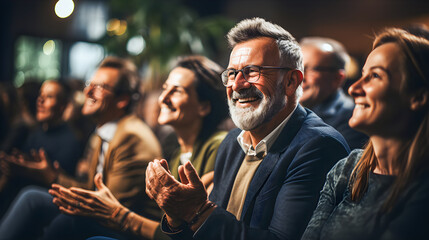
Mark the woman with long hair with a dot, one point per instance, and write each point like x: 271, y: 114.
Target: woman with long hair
x: 382, y: 192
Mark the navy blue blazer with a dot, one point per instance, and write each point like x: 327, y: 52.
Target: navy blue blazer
x: 285, y: 188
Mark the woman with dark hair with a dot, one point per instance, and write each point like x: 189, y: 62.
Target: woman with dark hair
x: 193, y: 102
x: 382, y: 192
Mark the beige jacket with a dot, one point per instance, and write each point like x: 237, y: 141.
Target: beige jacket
x: 131, y: 149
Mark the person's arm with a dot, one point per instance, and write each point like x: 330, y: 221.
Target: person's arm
x: 103, y: 206
x: 325, y: 206
x: 37, y: 166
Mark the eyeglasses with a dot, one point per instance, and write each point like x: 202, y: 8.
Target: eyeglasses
x: 250, y: 73
x: 99, y: 86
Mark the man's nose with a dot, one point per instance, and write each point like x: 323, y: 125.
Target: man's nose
x: 40, y: 99
x: 163, y: 98
x: 240, y: 82
x: 88, y: 89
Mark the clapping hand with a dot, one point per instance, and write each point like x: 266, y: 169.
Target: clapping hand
x: 100, y: 204
x: 36, y: 166
x: 179, y: 200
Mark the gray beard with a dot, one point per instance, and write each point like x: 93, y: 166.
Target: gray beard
x: 252, y: 117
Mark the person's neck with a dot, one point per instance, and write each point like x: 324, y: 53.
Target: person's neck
x: 100, y: 122
x: 259, y: 133
x: 386, y: 151
x: 186, y: 136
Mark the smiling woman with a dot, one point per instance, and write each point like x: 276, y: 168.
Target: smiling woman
x: 376, y: 193
x: 193, y: 102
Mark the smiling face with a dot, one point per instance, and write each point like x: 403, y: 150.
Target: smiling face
x: 179, y: 101
x: 252, y: 104
x: 321, y: 79
x: 380, y: 107
x: 100, y: 101
x: 49, y: 108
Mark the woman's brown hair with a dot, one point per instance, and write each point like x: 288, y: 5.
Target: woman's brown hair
x: 413, y: 158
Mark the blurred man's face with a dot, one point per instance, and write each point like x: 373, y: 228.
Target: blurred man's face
x: 321, y: 78
x: 100, y: 98
x: 49, y: 108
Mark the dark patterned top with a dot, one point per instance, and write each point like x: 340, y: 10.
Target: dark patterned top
x: 337, y: 217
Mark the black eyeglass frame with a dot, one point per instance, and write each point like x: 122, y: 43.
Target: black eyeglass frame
x: 225, y: 79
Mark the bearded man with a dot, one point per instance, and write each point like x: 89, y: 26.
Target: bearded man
x: 268, y: 173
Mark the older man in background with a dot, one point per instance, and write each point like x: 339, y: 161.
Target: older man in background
x: 324, y: 74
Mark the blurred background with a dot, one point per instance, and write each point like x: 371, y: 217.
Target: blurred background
x: 66, y: 39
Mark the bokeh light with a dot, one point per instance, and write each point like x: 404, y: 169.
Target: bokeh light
x: 64, y: 8
x: 136, y: 45
x: 116, y: 27
x: 49, y: 47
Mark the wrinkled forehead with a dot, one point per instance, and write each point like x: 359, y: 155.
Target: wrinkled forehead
x: 259, y: 51
x: 239, y: 56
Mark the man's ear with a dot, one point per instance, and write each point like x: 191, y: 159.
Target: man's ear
x: 419, y: 100
x: 123, y: 101
x: 340, y: 77
x: 204, y: 108
x: 294, y: 79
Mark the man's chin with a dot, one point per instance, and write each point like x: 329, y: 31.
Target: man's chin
x: 245, y: 118
x: 88, y: 112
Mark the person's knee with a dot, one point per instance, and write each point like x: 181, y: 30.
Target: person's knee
x: 34, y: 197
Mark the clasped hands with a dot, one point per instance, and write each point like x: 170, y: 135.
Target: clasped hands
x: 181, y: 201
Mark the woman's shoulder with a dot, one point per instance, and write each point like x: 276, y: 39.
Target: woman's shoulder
x: 215, y: 138
x: 350, y: 161
x: 209, y: 144
x: 343, y: 168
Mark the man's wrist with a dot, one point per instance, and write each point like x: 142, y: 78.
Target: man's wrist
x: 201, y: 216
x: 174, y: 224
x: 203, y: 208
x: 194, y: 221
x: 119, y: 215
x: 53, y: 176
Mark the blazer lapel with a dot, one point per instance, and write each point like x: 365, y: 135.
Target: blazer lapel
x: 95, y: 151
x: 270, y: 161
